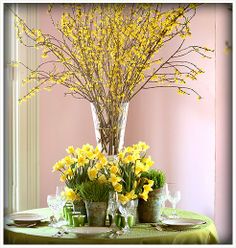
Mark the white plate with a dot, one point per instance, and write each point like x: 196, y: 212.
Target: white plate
x: 88, y: 231
x: 182, y: 222
x: 26, y: 217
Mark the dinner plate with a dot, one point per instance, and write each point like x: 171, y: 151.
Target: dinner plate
x: 26, y: 217
x: 89, y: 231
x: 182, y: 222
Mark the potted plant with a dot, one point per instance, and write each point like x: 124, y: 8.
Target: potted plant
x: 149, y: 209
x: 80, y: 165
x: 125, y: 176
x: 95, y: 195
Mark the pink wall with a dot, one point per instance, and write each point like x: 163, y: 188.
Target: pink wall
x: 179, y: 129
x: 223, y: 196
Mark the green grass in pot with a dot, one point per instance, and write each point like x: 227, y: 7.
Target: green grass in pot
x: 157, y: 176
x: 94, y: 191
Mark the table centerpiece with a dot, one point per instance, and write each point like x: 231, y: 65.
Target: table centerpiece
x: 108, y: 53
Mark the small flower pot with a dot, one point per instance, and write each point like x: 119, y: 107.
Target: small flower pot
x: 96, y: 213
x: 150, y: 211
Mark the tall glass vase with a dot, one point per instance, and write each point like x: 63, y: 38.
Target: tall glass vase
x: 109, y: 123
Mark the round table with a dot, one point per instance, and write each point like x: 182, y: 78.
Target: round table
x: 140, y: 234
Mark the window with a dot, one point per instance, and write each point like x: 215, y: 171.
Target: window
x: 21, y: 161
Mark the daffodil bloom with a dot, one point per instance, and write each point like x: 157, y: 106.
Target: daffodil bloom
x: 121, y: 156
x: 69, y: 160
x: 114, y: 179
x: 128, y: 159
x: 87, y: 147
x: 139, y: 167
x: 69, y: 172
x: 114, y: 169
x: 147, y: 188
x: 150, y: 182
x: 90, y: 155
x: 58, y: 166
x: 70, y: 150
x: 148, y: 161
x: 99, y: 166
x: 102, y: 179
x: 123, y: 199
x: 82, y: 161
x: 131, y: 195
x: 143, y: 146
x: 92, y: 173
x: 70, y: 194
x: 103, y: 160
x: 118, y: 187
x: 63, y: 178
x: 144, y: 196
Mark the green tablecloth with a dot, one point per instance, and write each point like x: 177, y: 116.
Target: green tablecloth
x: 139, y: 234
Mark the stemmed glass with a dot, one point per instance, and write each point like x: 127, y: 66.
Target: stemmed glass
x: 173, y: 197
x: 56, y: 203
x: 112, y: 207
x: 125, y: 210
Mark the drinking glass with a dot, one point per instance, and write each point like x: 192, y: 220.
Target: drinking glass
x: 112, y: 207
x: 173, y: 197
x: 56, y: 204
x: 126, y: 210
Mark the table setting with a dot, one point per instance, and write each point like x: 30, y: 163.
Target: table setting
x: 110, y: 193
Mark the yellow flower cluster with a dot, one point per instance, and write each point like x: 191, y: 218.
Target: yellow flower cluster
x: 80, y: 165
x: 125, y: 173
x: 106, y: 51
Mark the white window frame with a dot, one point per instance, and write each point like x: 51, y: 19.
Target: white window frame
x: 21, y: 164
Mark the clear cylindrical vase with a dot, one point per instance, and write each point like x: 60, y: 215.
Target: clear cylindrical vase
x: 110, y: 123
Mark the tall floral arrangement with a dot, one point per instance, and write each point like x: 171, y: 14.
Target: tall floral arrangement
x: 108, y: 53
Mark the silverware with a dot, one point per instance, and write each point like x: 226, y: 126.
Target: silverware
x: 115, y: 233
x: 60, y: 233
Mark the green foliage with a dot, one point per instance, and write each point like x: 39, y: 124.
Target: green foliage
x: 157, y: 176
x: 94, y: 191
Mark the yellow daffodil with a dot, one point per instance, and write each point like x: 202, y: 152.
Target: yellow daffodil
x: 102, y: 179
x: 123, y: 199
x: 70, y: 150
x: 99, y: 166
x: 131, y: 195
x: 82, y: 161
x: 114, y: 169
x: 69, y: 160
x: 70, y: 194
x: 144, y: 196
x: 147, y: 188
x: 63, y: 178
x: 114, y: 179
x: 118, y: 187
x: 58, y: 166
x: 143, y: 146
x: 90, y: 155
x: 68, y: 172
x: 92, y: 173
x: 139, y: 167
x: 87, y: 147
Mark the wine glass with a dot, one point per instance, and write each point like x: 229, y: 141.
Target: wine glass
x: 125, y: 210
x: 112, y: 207
x: 56, y: 204
x: 173, y: 197
x: 164, y: 198
x: 52, y: 204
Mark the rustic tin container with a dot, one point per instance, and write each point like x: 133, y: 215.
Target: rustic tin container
x: 150, y: 211
x: 96, y: 213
